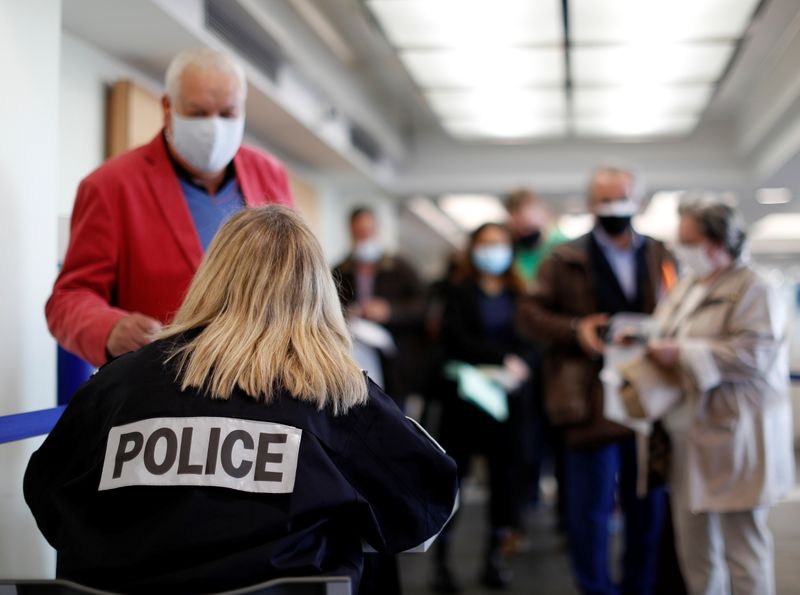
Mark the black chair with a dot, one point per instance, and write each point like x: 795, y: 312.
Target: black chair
x: 312, y: 585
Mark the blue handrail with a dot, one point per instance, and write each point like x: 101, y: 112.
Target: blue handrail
x: 27, y: 425
x: 20, y: 426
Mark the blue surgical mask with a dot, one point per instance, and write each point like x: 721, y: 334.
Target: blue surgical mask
x: 492, y: 260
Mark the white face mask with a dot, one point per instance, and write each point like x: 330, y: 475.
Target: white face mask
x: 207, y: 144
x: 617, y: 208
x: 694, y: 260
x: 367, y: 251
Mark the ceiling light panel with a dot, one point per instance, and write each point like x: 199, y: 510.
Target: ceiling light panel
x: 509, y: 127
x: 449, y: 23
x: 650, y: 63
x: 485, y: 68
x: 471, y: 104
x: 661, y: 99
x: 627, y: 126
x: 615, y: 21
x: 472, y: 210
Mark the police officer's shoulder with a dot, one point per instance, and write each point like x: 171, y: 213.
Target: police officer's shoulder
x: 135, y: 365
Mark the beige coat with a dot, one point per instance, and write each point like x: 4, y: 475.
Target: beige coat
x: 737, y: 419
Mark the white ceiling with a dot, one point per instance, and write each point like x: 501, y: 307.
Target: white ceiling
x: 749, y: 127
x: 631, y: 50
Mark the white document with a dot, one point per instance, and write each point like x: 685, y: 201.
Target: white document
x: 615, y: 357
x: 372, y: 335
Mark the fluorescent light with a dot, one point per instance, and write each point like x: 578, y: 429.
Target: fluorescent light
x: 479, y: 103
x: 661, y: 99
x: 658, y: 20
x: 506, y: 126
x: 627, y: 126
x: 778, y: 233
x: 773, y: 196
x: 477, y: 67
x: 660, y: 218
x: 650, y: 64
x: 447, y: 23
x: 472, y: 210
x: 574, y: 225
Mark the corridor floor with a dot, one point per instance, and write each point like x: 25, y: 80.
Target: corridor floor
x: 544, y: 568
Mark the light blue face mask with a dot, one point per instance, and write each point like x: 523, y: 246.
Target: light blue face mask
x: 492, y: 260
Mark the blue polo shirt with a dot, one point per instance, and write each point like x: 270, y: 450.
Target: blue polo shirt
x: 210, y: 212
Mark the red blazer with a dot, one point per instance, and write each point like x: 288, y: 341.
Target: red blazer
x: 133, y: 246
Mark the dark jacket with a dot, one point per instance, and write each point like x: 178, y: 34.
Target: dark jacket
x: 142, y: 487
x: 464, y: 336
x: 564, y: 292
x: 397, y: 283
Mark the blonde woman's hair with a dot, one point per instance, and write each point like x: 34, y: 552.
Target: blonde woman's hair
x: 269, y: 317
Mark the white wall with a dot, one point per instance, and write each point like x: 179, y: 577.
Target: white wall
x: 86, y: 76
x: 85, y: 79
x: 30, y: 34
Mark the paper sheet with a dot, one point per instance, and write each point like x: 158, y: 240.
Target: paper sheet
x: 476, y: 387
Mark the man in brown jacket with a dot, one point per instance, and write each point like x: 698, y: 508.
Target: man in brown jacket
x: 579, y: 286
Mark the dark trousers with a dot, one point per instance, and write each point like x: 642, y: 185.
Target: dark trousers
x: 467, y: 431
x: 597, y: 480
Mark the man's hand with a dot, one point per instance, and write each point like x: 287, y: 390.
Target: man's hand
x: 377, y: 310
x: 664, y: 352
x: 131, y: 332
x: 588, y: 333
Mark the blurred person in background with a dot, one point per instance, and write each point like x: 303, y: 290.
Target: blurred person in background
x: 723, y: 333
x: 384, y: 289
x: 143, y: 219
x: 535, y: 235
x: 578, y: 287
x: 244, y: 445
x: 533, y: 231
x: 478, y: 328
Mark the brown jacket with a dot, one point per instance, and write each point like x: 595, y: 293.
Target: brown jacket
x: 562, y: 294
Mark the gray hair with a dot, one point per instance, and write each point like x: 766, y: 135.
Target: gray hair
x: 719, y: 222
x: 619, y: 169
x: 203, y: 59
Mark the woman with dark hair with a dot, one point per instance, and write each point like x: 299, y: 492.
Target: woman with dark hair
x: 478, y: 329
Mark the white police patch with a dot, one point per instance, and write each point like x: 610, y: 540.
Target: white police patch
x: 240, y: 454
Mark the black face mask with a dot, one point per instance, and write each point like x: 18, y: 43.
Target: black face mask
x: 614, y: 226
x: 530, y: 240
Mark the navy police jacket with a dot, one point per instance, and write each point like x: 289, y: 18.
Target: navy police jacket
x: 144, y: 487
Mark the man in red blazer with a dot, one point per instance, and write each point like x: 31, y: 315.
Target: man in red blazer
x: 142, y: 220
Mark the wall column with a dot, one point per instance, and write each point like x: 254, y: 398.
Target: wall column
x: 30, y: 33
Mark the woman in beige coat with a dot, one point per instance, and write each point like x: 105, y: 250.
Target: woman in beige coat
x: 724, y: 333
